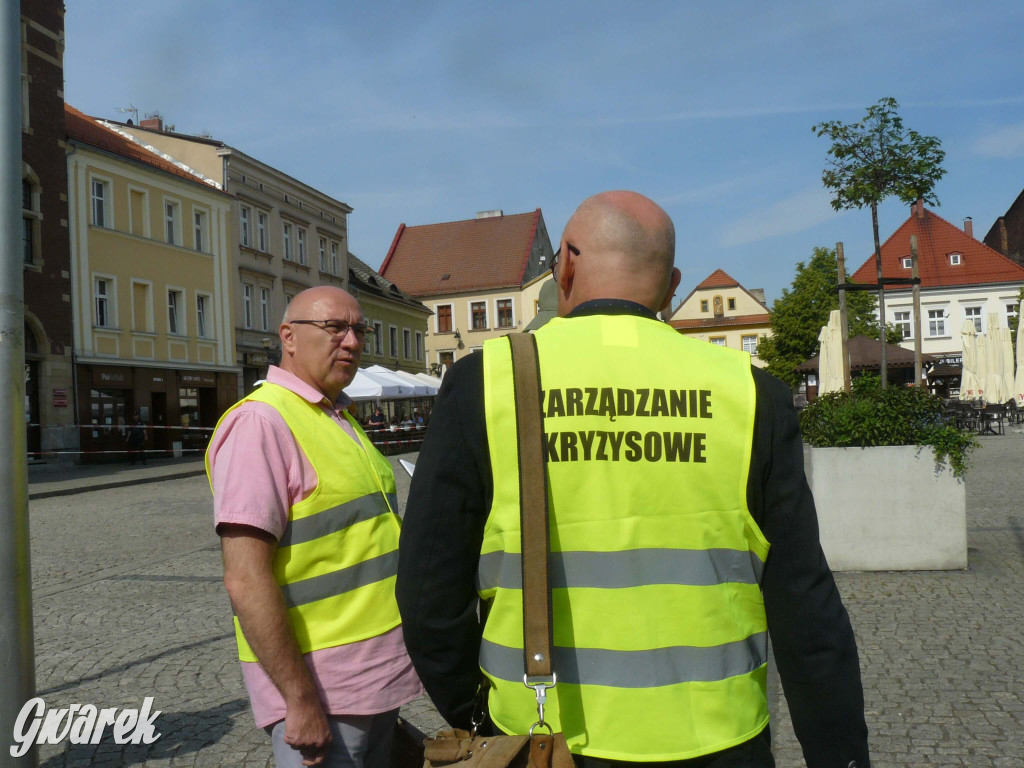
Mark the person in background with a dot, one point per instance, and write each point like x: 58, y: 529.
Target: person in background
x: 683, y: 531
x: 305, y: 509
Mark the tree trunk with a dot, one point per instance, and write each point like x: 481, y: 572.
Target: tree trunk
x: 881, y: 294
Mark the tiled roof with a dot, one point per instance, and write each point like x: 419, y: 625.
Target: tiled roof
x: 866, y: 354
x: 718, y: 279
x: 85, y: 129
x: 722, y: 322
x: 462, y: 256
x: 366, y: 280
x: 936, y: 239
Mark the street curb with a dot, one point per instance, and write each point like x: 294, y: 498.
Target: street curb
x: 72, y: 490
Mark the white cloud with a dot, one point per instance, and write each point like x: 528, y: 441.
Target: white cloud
x: 796, y: 213
x: 1005, y: 142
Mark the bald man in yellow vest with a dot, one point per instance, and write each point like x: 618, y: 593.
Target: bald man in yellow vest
x: 682, y: 531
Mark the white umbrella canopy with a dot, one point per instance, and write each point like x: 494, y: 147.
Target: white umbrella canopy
x: 1006, y: 356
x: 1018, y: 381
x: 995, y: 391
x: 364, y: 387
x: 420, y: 387
x: 830, y: 356
x: 433, y: 381
x: 408, y: 388
x: 969, y: 385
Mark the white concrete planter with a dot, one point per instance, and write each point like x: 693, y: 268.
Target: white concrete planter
x: 888, y: 508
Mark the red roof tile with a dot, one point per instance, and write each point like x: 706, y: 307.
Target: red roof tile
x: 462, y: 256
x: 936, y: 239
x: 718, y: 279
x: 85, y: 129
x: 722, y: 322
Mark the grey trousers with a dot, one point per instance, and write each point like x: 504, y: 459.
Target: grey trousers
x: 358, y: 741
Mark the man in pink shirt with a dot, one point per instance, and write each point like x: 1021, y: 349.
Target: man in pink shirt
x: 305, y: 509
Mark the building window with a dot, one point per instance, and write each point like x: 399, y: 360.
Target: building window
x: 243, y: 219
x: 261, y: 231
x: 30, y: 221
x: 103, y: 289
x: 199, y: 228
x: 1011, y: 313
x: 300, y: 248
x: 264, y: 309
x: 954, y: 259
x: 174, y: 302
x: 444, y: 318
x: 908, y: 263
x: 718, y: 341
x: 171, y: 219
x: 202, y: 306
x: 334, y: 258
x: 286, y: 237
x: 478, y: 315
x: 732, y: 303
x: 936, y: 322
x: 100, y: 196
x: 974, y: 315
x: 750, y: 344
x: 247, y: 306
x: 902, y: 320
x: 703, y: 305
x: 323, y: 255
x: 378, y: 338
x: 406, y: 343
x: 419, y: 345
x: 392, y: 341
x: 504, y: 313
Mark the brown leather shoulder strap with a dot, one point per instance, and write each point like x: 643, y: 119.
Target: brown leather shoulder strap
x: 533, y: 500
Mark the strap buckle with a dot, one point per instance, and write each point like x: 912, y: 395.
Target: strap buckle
x: 540, y: 686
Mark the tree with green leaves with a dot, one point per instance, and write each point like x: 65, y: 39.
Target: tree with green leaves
x: 797, y: 317
x: 876, y: 158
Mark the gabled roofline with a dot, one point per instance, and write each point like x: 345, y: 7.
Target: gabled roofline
x: 529, y: 245
x: 391, y: 251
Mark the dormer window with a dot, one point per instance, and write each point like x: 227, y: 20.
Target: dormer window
x: 954, y: 259
x: 908, y: 262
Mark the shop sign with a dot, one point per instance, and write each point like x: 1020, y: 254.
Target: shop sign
x: 255, y: 358
x: 60, y: 398
x: 111, y: 377
x: 197, y: 379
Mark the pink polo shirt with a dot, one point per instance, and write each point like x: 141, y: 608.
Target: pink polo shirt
x: 259, y: 471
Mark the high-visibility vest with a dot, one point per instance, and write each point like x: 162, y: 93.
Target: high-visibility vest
x: 338, y: 557
x: 660, y: 644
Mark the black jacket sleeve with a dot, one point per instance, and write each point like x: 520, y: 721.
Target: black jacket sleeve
x: 812, y: 639
x: 440, y: 544
x: 439, y: 550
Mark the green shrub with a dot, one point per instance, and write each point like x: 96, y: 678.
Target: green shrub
x: 894, y: 416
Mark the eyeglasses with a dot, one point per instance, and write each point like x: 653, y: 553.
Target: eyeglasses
x: 337, y: 328
x: 554, y: 261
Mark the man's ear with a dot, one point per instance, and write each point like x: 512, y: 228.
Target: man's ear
x: 287, y: 339
x: 673, y: 283
x: 566, y: 268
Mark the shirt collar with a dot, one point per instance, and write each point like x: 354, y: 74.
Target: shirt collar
x: 293, y: 383
x: 611, y: 307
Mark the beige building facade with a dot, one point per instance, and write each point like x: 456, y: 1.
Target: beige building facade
x: 721, y: 311
x: 284, y: 236
x: 152, y: 294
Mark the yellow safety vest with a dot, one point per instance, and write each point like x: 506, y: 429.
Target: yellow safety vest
x: 660, y: 643
x: 338, y: 557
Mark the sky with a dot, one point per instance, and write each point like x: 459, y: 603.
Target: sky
x: 425, y: 112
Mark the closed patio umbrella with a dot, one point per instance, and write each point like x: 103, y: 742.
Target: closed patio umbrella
x: 1018, y: 381
x: 995, y: 385
x: 830, y: 356
x: 969, y: 384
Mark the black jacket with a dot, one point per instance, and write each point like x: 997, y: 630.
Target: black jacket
x: 812, y: 640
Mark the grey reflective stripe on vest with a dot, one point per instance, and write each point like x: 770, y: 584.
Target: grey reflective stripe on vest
x: 627, y: 568
x: 393, y: 501
x: 635, y: 669
x: 339, y: 582
x: 332, y: 520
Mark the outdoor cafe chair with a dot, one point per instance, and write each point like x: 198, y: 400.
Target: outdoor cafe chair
x: 992, y: 420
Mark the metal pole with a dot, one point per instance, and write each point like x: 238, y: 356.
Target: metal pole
x: 17, y: 673
x: 845, y: 335
x: 916, y: 293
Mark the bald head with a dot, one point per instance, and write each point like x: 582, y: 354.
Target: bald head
x: 626, y: 245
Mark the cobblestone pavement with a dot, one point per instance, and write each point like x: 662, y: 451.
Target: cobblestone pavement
x: 128, y: 603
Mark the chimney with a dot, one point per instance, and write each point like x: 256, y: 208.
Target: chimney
x: 969, y: 227
x: 495, y: 214
x: 152, y: 123
x: 918, y: 208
